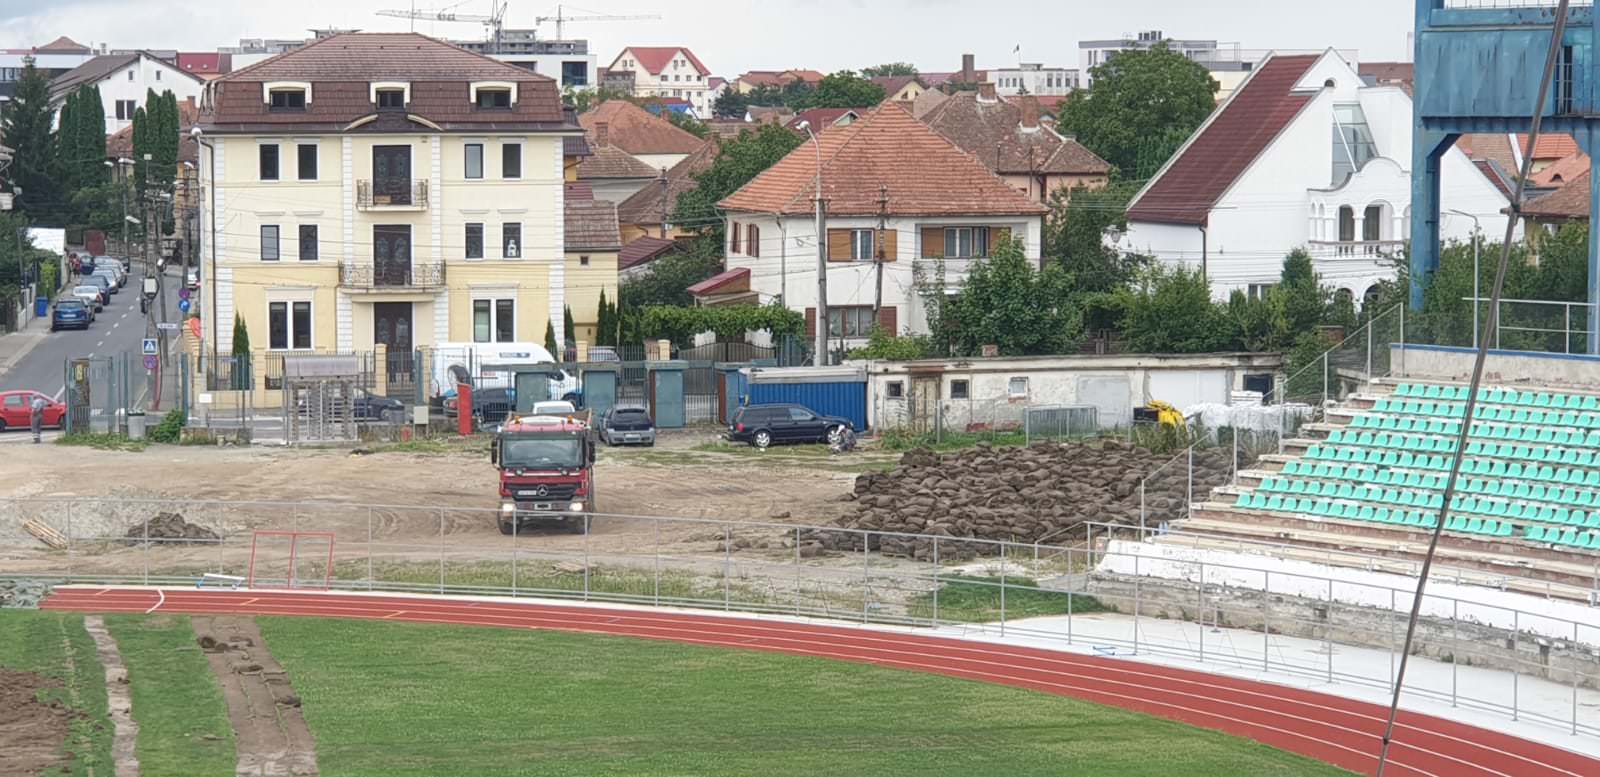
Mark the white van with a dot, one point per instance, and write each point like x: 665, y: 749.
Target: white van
x: 487, y: 365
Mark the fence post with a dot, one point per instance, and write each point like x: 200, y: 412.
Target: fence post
x: 1402, y: 340
x: 797, y: 569
x: 588, y: 529
x: 517, y: 535
x: 1200, y: 610
x: 1390, y: 619
x: 69, y: 542
x: 441, y: 550
x: 1136, y: 596
x: 1266, y: 620
x: 146, y: 553
x: 1455, y: 660
x: 866, y: 574
x: 1327, y: 633
x: 1325, y: 377
x: 657, y: 585
x: 936, y: 585
x: 369, y: 555
x: 727, y: 567
x: 1233, y: 463
x: 1002, y: 589
x: 1188, y: 498
x: 1516, y: 662
x: 1370, y: 327
x: 1575, y: 680
x: 1567, y: 327
x: 1141, y: 509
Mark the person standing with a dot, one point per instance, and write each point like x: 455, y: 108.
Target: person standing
x: 36, y: 416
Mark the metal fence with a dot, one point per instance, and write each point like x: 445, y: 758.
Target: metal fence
x: 1096, y: 593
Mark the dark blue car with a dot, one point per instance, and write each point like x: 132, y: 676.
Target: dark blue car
x: 70, y: 314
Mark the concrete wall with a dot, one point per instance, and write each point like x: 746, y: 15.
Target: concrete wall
x: 1576, y: 371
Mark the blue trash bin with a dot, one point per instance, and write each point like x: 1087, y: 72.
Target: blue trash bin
x: 41, y: 306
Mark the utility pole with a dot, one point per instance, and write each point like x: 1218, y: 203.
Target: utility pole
x: 821, y: 357
x: 878, y: 254
x: 664, y: 214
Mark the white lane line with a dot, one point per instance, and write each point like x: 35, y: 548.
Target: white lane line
x: 97, y: 345
x: 159, y: 602
x: 124, y: 314
x: 59, y: 392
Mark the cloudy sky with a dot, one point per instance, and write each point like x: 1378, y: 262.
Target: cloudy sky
x: 732, y: 36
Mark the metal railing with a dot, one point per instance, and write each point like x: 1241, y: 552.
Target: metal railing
x: 401, y: 193
x: 1348, y: 248
x: 411, y: 275
x: 1550, y: 326
x: 1109, y: 594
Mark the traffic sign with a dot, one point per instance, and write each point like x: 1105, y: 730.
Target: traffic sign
x: 149, y: 348
x: 150, y: 362
x: 183, y: 305
x: 183, y: 293
x: 167, y: 326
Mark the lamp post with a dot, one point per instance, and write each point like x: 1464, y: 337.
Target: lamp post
x: 1477, y: 240
x: 820, y: 358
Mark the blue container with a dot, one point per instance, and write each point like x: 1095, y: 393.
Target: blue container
x: 41, y: 306
x: 829, y: 391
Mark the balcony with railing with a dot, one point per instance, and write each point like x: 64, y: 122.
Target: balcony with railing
x: 392, y: 276
x: 392, y: 194
x: 1356, y: 249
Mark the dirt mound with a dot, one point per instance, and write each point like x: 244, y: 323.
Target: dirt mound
x: 32, y: 730
x: 170, y: 529
x: 1026, y: 494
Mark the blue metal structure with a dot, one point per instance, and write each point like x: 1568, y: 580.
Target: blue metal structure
x: 1478, y: 70
x: 599, y: 388
x: 666, y: 400
x: 840, y: 392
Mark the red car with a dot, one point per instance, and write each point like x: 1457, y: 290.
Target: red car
x: 16, y: 410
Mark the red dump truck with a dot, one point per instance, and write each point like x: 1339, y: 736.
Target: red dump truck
x: 546, y: 465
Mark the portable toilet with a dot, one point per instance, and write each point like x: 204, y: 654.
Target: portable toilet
x: 599, y: 388
x: 665, y: 386
x: 837, y: 391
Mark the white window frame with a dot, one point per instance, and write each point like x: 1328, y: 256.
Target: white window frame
x: 966, y: 388
x: 861, y: 244
x: 269, y: 87
x: 466, y: 167
x: 483, y: 241
x: 472, y: 91
x: 289, y: 328
x: 1012, y: 386
x: 494, y: 313
x: 277, y: 242
x: 403, y: 86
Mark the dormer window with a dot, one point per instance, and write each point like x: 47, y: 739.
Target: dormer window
x: 287, y: 99
x: 391, y: 99
x: 494, y: 98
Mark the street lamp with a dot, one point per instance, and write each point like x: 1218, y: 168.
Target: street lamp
x: 1477, y: 239
x: 820, y: 358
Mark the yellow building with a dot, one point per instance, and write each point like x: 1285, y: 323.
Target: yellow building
x: 389, y: 190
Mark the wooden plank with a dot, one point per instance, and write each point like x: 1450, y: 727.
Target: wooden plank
x: 45, y: 534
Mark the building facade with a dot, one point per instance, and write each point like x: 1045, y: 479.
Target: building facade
x: 1304, y: 155
x: 666, y: 71
x: 569, y: 62
x: 1035, y: 79
x: 125, y: 80
x: 389, y: 190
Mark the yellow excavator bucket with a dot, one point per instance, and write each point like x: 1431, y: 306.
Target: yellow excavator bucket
x: 1166, y: 414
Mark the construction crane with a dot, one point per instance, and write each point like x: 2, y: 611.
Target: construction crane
x: 561, y: 20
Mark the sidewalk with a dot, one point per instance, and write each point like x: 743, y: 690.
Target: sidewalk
x: 16, y: 345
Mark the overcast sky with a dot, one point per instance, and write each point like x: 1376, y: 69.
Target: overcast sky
x: 732, y: 36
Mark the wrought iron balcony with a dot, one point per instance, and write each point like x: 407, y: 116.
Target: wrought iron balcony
x: 392, y: 194
x: 392, y: 276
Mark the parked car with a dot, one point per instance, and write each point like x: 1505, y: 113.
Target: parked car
x: 110, y: 275
x: 628, y: 426
x: 16, y: 410
x: 764, y: 425
x: 603, y: 353
x: 91, y: 295
x: 489, y: 405
x: 554, y: 407
x: 70, y: 313
x: 123, y: 263
x: 191, y: 278
x: 99, y: 281
x: 367, y: 406
x: 119, y: 275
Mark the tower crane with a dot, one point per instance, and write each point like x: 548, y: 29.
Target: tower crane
x: 493, y: 22
x: 560, y: 19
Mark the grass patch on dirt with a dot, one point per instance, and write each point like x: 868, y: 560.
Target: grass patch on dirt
x: 419, y: 699
x: 55, y: 645
x: 104, y: 442
x: 976, y: 599
x: 183, y: 719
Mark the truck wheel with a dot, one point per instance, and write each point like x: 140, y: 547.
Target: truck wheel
x: 508, y: 527
x: 761, y: 440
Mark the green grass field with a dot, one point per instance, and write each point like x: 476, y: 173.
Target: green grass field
x: 414, y: 699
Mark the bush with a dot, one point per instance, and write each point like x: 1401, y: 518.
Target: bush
x: 885, y: 345
x: 170, y: 430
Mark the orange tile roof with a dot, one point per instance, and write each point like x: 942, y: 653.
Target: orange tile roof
x: 656, y: 58
x: 926, y: 175
x: 1562, y: 171
x: 1551, y: 145
x: 636, y: 130
x: 1571, y: 201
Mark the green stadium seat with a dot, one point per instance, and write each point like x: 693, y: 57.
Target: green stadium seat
x: 1274, y: 503
x: 1593, y: 542
x: 1542, y: 400
x: 1455, y: 523
x: 1533, y: 533
x: 1430, y: 392
x: 1590, y: 403
x: 1475, y: 526
x: 1244, y: 501
x: 1569, y: 537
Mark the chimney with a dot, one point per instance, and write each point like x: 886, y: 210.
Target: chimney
x: 602, y: 133
x: 969, y: 71
x: 1030, y: 113
x: 986, y: 92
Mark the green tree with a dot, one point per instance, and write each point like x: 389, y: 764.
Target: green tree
x: 584, y: 100
x: 889, y: 69
x: 1169, y: 310
x: 550, y: 341
x: 568, y: 326
x: 843, y: 89
x: 241, y: 354
x: 143, y: 139
x: 1305, y: 300
x: 25, y: 129
x: 687, y: 123
x: 892, y: 347
x: 731, y: 104
x: 1008, y: 302
x: 1075, y: 235
x: 604, y: 332
x: 1257, y: 323
x: 742, y: 159
x: 1140, y: 107
x: 668, y: 279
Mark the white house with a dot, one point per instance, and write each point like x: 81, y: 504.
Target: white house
x: 667, y: 71
x: 125, y: 80
x: 1035, y: 79
x: 1305, y: 155
x: 891, y: 183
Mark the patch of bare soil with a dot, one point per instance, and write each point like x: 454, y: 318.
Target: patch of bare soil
x: 269, y: 730
x: 31, y: 731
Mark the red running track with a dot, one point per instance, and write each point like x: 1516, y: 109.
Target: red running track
x: 1339, y: 731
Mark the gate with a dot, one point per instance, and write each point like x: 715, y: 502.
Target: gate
x: 323, y: 398
x: 925, y: 395
x: 97, y: 395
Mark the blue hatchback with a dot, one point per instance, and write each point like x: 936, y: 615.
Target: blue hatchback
x: 70, y: 314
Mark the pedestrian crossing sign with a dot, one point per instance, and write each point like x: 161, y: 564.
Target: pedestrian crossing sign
x: 150, y: 346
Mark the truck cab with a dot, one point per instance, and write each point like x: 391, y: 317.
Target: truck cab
x: 546, y: 466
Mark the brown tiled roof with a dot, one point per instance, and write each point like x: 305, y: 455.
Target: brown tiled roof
x: 1570, y: 201
x: 1563, y: 170
x: 341, y: 68
x: 381, y: 56
x: 636, y: 130
x: 1491, y: 146
x: 1551, y: 145
x: 737, y: 279
x: 819, y: 118
x: 645, y: 205
x: 643, y: 250
x: 1221, y: 149
x: 578, y: 190
x: 656, y: 58
x: 89, y: 72
x: 770, y: 114
x: 63, y: 43
x: 612, y: 162
x: 575, y: 145
x: 591, y: 225
x: 892, y: 84
x: 927, y: 101
x: 926, y: 175
x: 993, y: 132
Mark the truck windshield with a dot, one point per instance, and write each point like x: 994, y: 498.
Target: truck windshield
x: 541, y: 453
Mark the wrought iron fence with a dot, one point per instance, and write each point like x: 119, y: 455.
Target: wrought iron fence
x: 392, y: 275
x: 1108, y: 591
x: 401, y: 193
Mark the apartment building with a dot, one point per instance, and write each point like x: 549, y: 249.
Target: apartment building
x: 386, y: 190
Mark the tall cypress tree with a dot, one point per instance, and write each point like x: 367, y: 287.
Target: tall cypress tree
x: 141, y: 146
x: 25, y: 129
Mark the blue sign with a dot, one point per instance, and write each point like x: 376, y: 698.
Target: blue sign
x: 150, y: 362
x: 183, y: 305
